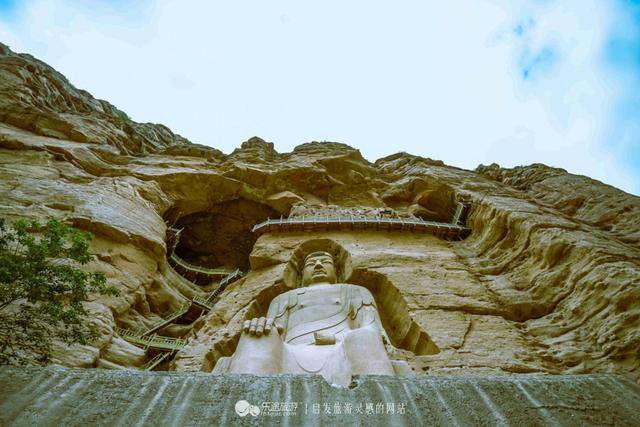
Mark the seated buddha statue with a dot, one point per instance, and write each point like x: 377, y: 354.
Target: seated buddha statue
x: 322, y: 327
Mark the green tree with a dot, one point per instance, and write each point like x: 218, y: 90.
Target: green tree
x: 42, y: 289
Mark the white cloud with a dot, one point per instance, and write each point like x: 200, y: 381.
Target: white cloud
x: 429, y: 78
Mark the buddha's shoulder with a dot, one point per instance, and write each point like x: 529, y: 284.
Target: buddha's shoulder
x: 358, y: 294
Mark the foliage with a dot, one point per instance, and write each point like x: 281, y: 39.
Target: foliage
x: 42, y: 290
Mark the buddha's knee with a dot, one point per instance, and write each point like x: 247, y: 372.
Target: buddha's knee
x: 257, y: 355
x: 366, y: 353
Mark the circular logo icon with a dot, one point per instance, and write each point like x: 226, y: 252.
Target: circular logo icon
x: 242, y: 408
x: 254, y: 410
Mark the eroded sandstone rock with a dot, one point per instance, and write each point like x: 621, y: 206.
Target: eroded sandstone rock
x: 548, y: 280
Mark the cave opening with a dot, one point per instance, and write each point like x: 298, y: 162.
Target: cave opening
x: 221, y: 236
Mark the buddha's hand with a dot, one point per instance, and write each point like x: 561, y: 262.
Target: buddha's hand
x: 259, y: 326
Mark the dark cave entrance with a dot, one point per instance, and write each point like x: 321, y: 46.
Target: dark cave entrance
x: 221, y: 236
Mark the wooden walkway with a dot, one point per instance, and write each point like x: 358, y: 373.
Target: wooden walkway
x: 166, y: 347
x: 213, y: 272
x: 454, y: 230
x: 154, y: 341
x: 156, y: 360
x: 208, y: 301
x: 170, y: 318
x: 318, y: 223
x: 195, y: 273
x: 460, y: 214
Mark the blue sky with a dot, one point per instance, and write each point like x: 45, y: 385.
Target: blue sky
x: 467, y: 82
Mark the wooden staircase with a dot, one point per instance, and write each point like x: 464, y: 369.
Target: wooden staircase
x: 166, y: 347
x: 153, y: 341
x: 208, y: 301
x: 157, y: 360
x: 170, y: 318
x: 196, y: 274
x: 460, y: 214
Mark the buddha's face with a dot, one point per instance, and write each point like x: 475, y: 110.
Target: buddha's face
x: 318, y: 268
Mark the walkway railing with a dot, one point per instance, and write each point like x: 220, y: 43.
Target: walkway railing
x: 459, y: 216
x: 207, y: 302
x: 167, y: 345
x: 204, y: 302
x: 457, y: 213
x: 151, y: 341
x: 352, y: 222
x: 198, y: 269
x: 173, y: 239
x: 173, y: 316
x: 234, y: 275
x: 156, y: 360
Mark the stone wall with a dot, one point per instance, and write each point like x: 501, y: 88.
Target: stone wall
x: 104, y: 398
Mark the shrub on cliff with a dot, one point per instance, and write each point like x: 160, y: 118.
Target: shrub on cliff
x: 42, y: 289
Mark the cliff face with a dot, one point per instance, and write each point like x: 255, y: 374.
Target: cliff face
x: 548, y: 280
x: 581, y: 198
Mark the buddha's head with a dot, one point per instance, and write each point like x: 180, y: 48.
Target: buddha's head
x: 318, y: 267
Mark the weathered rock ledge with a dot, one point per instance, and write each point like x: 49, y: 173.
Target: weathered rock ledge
x: 56, y: 396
